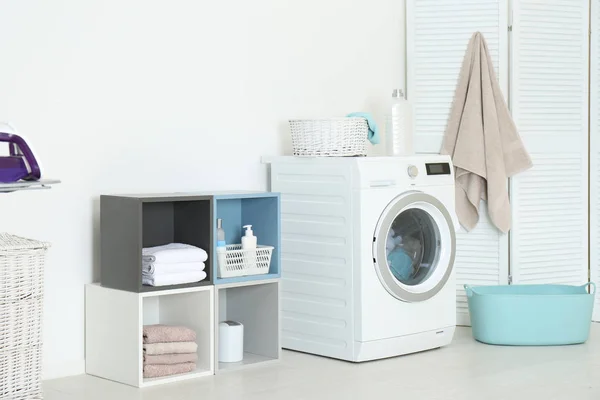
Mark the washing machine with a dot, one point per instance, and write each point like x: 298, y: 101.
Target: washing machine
x: 368, y: 247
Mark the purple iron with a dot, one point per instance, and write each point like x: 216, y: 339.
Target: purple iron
x: 19, y: 163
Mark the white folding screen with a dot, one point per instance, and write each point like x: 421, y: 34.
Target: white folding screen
x: 595, y: 150
x: 549, y: 103
x: 438, y: 32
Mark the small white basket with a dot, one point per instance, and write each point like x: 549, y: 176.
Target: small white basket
x: 21, y: 315
x: 234, y: 261
x: 332, y: 137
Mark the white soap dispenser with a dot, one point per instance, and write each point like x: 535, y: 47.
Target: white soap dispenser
x: 249, y: 245
x: 248, y: 240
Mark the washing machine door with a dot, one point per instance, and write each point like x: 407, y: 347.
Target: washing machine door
x: 414, y: 247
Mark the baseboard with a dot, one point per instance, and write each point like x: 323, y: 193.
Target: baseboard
x: 63, y: 369
x: 463, y: 319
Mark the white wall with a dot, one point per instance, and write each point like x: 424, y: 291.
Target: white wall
x: 135, y: 96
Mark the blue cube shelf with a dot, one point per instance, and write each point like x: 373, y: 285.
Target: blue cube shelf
x: 259, y: 209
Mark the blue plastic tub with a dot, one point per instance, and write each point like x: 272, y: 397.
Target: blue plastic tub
x: 531, y: 315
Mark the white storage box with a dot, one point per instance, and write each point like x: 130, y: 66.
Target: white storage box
x: 21, y: 306
x: 231, y: 341
x: 234, y: 261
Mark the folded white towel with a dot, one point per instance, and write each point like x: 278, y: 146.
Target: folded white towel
x: 174, y: 253
x: 173, y: 268
x: 173, y: 279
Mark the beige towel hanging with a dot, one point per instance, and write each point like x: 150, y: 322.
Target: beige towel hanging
x: 483, y: 141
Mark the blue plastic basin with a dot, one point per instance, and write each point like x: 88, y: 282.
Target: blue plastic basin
x: 531, y: 315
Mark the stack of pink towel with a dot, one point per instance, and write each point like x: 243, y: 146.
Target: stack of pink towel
x: 169, y: 350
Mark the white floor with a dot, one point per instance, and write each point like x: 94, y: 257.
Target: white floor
x: 464, y: 370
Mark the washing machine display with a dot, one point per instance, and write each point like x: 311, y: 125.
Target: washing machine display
x: 438, y: 168
x: 414, y: 247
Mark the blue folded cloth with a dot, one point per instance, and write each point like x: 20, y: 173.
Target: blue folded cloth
x: 400, y: 264
x: 373, y: 130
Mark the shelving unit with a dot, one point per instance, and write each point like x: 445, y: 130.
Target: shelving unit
x: 129, y: 223
x: 114, y: 323
x: 120, y: 305
x: 256, y: 305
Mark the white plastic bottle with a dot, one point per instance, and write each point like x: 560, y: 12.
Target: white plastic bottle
x: 220, y: 234
x: 399, y: 126
x: 249, y: 244
x: 221, y: 246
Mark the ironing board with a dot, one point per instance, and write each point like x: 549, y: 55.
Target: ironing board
x: 27, y: 185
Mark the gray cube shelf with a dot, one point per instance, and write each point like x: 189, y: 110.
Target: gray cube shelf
x: 130, y: 223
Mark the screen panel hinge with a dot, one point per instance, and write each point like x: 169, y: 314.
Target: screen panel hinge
x: 510, y: 279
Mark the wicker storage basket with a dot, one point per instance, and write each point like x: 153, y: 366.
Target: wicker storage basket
x: 333, y: 137
x: 21, y: 311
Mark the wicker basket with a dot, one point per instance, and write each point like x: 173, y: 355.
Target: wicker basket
x: 334, y: 137
x: 21, y: 310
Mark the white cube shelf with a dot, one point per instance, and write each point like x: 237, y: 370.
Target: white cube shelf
x: 114, y: 322
x: 256, y: 305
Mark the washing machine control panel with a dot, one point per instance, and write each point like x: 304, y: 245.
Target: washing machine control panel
x: 413, y: 171
x: 402, y: 172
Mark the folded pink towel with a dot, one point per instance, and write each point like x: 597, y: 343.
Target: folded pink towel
x: 154, y: 349
x: 168, y: 334
x: 154, y: 371
x: 170, y: 358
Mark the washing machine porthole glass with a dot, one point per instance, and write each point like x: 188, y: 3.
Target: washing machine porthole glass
x: 412, y: 246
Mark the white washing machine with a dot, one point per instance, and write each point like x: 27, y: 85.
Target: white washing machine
x: 368, y: 247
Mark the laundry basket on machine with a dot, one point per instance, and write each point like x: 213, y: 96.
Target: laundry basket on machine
x: 21, y: 310
x: 329, y: 137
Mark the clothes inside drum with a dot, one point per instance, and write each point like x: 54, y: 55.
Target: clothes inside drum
x: 412, y: 246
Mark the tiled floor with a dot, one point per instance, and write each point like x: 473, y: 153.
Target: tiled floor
x: 464, y: 370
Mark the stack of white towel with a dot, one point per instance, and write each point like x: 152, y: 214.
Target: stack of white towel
x: 173, y: 264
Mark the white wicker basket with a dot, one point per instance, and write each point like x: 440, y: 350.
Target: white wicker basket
x: 21, y: 311
x: 333, y: 137
x: 237, y: 262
